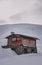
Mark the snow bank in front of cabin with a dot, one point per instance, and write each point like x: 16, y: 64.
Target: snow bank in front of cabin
x: 25, y: 59
x: 4, y: 53
x: 9, y: 57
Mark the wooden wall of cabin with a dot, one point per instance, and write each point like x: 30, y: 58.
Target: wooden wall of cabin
x: 21, y: 40
x: 14, y: 43
x: 29, y: 41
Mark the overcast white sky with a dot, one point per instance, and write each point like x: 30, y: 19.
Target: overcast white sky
x: 20, y: 11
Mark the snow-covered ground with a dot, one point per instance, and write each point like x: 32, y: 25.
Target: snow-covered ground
x: 9, y: 57
x: 27, y: 59
x: 4, y: 53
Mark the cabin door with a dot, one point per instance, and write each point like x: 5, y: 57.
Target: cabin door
x: 25, y: 50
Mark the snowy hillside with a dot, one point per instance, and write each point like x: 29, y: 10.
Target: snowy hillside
x: 9, y: 57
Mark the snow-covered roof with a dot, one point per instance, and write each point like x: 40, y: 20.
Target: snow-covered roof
x: 24, y: 36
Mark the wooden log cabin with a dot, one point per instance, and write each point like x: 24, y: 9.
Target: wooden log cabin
x: 21, y: 44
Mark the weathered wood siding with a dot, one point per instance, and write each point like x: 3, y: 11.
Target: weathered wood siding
x: 14, y: 43
x: 21, y: 40
x: 29, y: 42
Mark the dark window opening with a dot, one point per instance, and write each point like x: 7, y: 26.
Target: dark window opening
x: 25, y: 50
x: 34, y: 50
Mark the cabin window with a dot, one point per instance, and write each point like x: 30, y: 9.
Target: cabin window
x: 13, y: 39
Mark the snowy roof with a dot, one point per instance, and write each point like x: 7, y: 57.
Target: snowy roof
x: 24, y: 36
